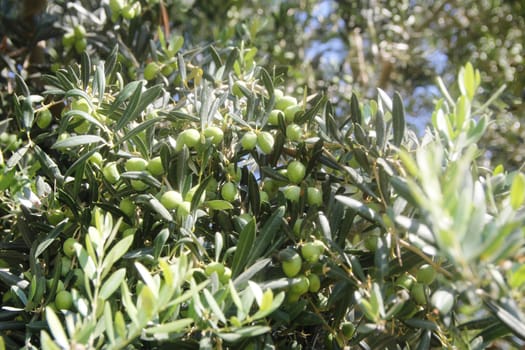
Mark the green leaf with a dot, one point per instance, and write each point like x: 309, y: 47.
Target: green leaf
x: 214, y: 306
x: 47, y: 342
x: 75, y: 141
x: 50, y: 238
x: 112, y: 283
x: 218, y: 204
x: 245, y: 244
x: 85, y: 69
x: 517, y: 191
x: 170, y: 327
x: 516, y: 324
x: 116, y: 253
x: 398, y: 119
x: 355, y: 110
x: 146, y: 305
x: 267, y: 234
x: 56, y: 329
x: 108, y: 322
x: 361, y: 209
x: 131, y: 110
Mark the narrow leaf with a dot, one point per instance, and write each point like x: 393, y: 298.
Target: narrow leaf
x: 75, y: 141
x: 112, y: 283
x: 398, y: 119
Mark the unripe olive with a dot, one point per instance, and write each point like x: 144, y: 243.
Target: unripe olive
x: 265, y: 141
x: 226, y: 276
x: 289, y: 113
x: 312, y: 251
x: 171, y: 199
x: 302, y: 286
x: 294, y: 132
x: 68, y: 39
x: 151, y: 70
x: 214, y: 267
x: 138, y: 185
x: 183, y: 210
x: 291, y: 262
x: 229, y: 191
x: 215, y: 133
x: 188, y: 137
x: 64, y: 300
x: 136, y: 164
x: 111, y: 173
x: 43, y: 119
x: 116, y: 6
x: 314, y: 196
x: 284, y: 102
x: 81, y: 105
x: 69, y: 247
x: 426, y: 274
x: 79, y: 31
x: 155, y: 166
x: 80, y: 45
x: 405, y: 281
x: 127, y: 206
x: 96, y: 159
x: 348, y: 329
x: 296, y: 171
x: 314, y: 283
x: 273, y: 117
x: 249, y: 140
x: 292, y: 193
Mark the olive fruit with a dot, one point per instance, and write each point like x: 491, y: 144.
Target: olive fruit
x: 155, y: 166
x: 127, y: 206
x: 426, y: 274
x: 302, y: 286
x: 138, y: 185
x: 348, y: 329
x: 312, y: 251
x: 151, y: 70
x: 314, y: 283
x: 405, y: 281
x: 69, y: 247
x: 64, y: 300
x: 292, y: 193
x: 43, y: 119
x: 290, y: 112
x: 229, y: 191
x: 273, y: 117
x: 111, y: 173
x: 265, y: 141
x: 294, y: 132
x: 171, y: 199
x: 136, y: 164
x: 214, y: 267
x: 296, y: 171
x: 189, y: 138
x: 81, y: 105
x: 215, y: 133
x: 226, y: 276
x: 291, y: 262
x: 285, y: 102
x: 249, y: 140
x: 314, y: 196
x: 96, y: 159
x: 80, y: 45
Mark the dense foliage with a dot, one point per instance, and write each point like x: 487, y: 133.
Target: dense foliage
x: 158, y: 192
